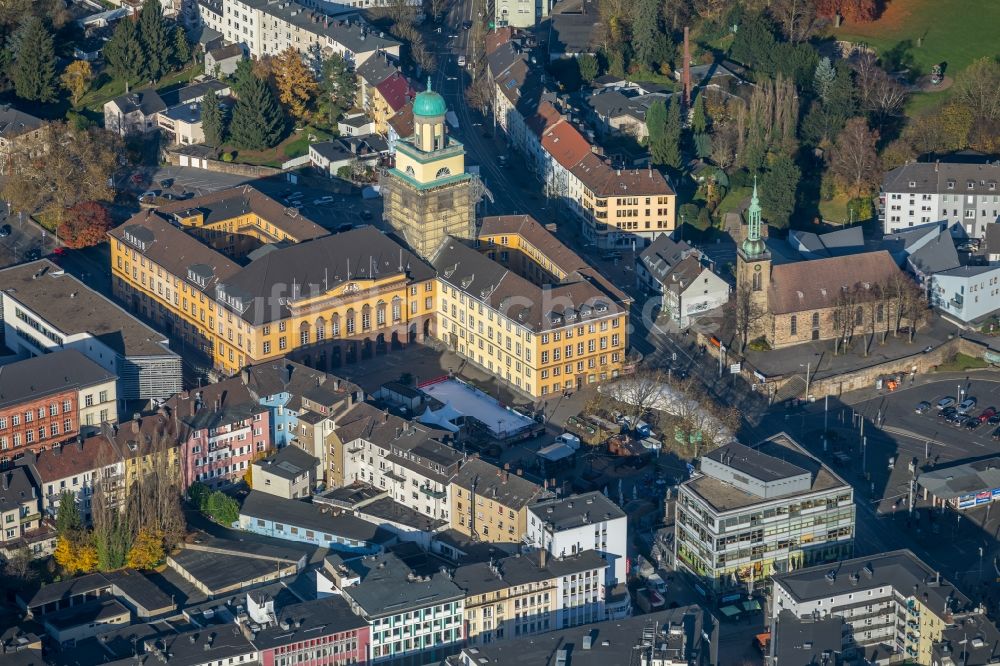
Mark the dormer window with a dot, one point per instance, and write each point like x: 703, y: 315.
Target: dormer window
x: 993, y: 185
x: 913, y: 183
x: 951, y: 184
x: 970, y: 184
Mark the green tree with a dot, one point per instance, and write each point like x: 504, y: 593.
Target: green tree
x: 664, y: 127
x: 588, y: 67
x: 182, y: 48
x: 257, y: 122
x: 213, y: 120
x: 156, y: 42
x: 124, y: 53
x: 754, y: 44
x: 703, y: 145
x: 777, y: 190
x: 338, y: 87
x: 198, y: 494
x: 68, y: 516
x: 34, y: 67
x: 699, y: 119
x: 222, y: 508
x: 645, y: 29
x: 824, y: 78
x: 243, y: 77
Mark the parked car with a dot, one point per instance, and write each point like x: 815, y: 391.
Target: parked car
x: 167, y: 183
x: 972, y: 423
x: 59, y: 251
x: 994, y: 420
x: 996, y: 434
x: 5, y: 231
x: 322, y: 200
x: 966, y: 405
x: 946, y: 412
x: 33, y: 254
x: 987, y: 413
x: 922, y: 407
x: 461, y: 61
x: 955, y: 418
x: 467, y: 25
x: 945, y: 402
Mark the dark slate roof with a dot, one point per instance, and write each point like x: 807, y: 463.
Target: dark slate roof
x: 901, y: 569
x: 286, y: 376
x: 513, y: 492
x: 933, y: 177
x: 805, y: 642
x: 831, y: 244
x: 15, y: 488
x: 322, y: 265
x: 662, y: 255
x: 936, y: 255
x: 377, y: 69
x: 313, y: 517
x: 226, y: 52
x: 193, y: 92
x: 613, y: 103
x: 289, y: 462
x: 44, y: 375
x: 483, y: 577
x: 216, y: 405
x: 567, y: 513
x: 14, y: 123
x: 308, y: 620
x: 388, y: 587
x: 335, y: 151
x: 188, y: 648
x: 146, y: 101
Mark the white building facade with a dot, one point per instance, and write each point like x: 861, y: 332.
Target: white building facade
x: 966, y: 293
x: 918, y: 193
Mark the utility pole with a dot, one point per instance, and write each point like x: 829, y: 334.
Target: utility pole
x: 864, y: 456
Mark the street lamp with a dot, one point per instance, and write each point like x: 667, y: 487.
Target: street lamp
x: 808, y: 366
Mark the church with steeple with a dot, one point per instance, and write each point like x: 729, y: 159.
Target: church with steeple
x: 792, y: 302
x: 428, y: 194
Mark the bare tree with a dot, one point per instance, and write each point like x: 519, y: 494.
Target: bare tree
x: 914, y: 308
x: 724, y: 142
x: 154, y: 498
x: 797, y: 18
x: 747, y: 315
x: 636, y: 396
x: 880, y: 94
x: 853, y: 160
x: 844, y: 317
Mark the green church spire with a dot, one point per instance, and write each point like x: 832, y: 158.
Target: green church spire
x: 753, y: 245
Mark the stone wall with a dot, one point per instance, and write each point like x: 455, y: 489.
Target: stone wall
x: 234, y: 168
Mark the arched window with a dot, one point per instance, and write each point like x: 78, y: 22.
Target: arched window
x: 349, y: 317
x: 335, y: 325
x: 756, y: 282
x: 815, y: 320
x: 304, y: 333
x: 397, y: 306
x: 859, y: 316
x: 366, y: 318
x: 320, y: 329
x: 442, y: 172
x: 380, y: 314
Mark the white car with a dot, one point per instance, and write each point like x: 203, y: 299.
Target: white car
x: 461, y: 61
x: 966, y: 405
x: 322, y: 200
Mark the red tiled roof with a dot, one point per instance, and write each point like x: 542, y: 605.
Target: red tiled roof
x: 565, y: 144
x: 497, y: 38
x: 74, y: 458
x: 402, y: 122
x: 396, y: 91
x: 545, y: 117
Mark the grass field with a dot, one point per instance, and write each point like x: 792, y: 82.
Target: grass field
x: 295, y: 145
x: 954, y: 32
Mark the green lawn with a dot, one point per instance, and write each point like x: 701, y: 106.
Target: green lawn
x: 731, y: 202
x: 835, y: 210
x: 108, y: 87
x: 961, y: 363
x: 954, y: 32
x: 296, y: 145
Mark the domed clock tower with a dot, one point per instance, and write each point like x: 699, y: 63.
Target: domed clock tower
x: 428, y: 194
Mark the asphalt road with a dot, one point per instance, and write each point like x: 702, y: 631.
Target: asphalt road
x: 24, y: 237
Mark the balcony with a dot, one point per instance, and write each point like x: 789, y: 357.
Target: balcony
x: 433, y: 494
x: 31, y: 517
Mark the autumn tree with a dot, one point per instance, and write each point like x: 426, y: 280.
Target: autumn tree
x: 33, y: 69
x: 84, y: 224
x: 147, y: 549
x: 77, y: 167
x: 853, y: 159
x: 797, y: 18
x: 880, y: 94
x: 295, y: 83
x: 76, y: 79
x: 75, y: 553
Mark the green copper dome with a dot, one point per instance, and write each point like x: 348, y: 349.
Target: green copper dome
x: 429, y: 103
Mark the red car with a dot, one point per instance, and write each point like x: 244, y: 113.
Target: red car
x: 59, y: 251
x: 987, y: 413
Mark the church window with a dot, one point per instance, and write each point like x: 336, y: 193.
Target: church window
x: 793, y: 325
x: 410, y: 171
x: 880, y: 313
x: 815, y: 320
x: 756, y: 282
x: 858, y: 316
x: 442, y: 172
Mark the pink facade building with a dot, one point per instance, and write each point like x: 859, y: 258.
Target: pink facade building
x: 223, y: 430
x: 323, y: 632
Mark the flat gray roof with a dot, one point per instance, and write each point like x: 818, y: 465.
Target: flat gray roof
x: 569, y: 512
x: 967, y: 478
x: 72, y: 307
x: 44, y: 375
x: 220, y: 571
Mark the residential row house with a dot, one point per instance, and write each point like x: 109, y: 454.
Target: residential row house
x: 21, y: 134
x: 957, y: 192
x: 53, y: 398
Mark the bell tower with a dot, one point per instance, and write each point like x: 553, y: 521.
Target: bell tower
x: 753, y: 260
x: 428, y: 194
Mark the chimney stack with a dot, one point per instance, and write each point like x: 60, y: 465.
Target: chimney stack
x: 542, y: 557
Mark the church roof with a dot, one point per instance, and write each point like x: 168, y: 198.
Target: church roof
x: 813, y: 285
x: 429, y: 103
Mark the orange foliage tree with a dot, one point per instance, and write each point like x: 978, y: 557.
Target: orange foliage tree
x: 84, y: 224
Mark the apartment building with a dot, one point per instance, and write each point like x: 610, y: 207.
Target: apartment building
x: 490, y: 504
x: 526, y: 308
x: 415, y: 464
x: 520, y: 13
x: 682, y: 277
x: 522, y: 595
x: 957, y: 192
x: 147, y: 444
x: 589, y: 522
x: 52, y: 398
x: 965, y: 293
x: 289, y: 473
x: 268, y: 27
x: 46, y: 310
x: 751, y: 512
x: 623, y: 207
x: 892, y: 607
x: 77, y: 468
x: 224, y: 430
x: 21, y: 515
x: 323, y: 302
